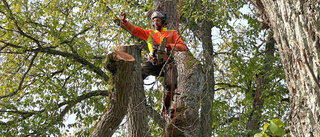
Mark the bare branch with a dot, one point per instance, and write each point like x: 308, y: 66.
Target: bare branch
x: 154, y: 115
x: 77, y: 58
x: 227, y: 84
x: 70, y: 103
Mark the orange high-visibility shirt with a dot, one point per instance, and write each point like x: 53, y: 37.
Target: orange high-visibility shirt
x: 154, y: 37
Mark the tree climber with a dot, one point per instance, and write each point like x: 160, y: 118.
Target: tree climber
x: 157, y: 58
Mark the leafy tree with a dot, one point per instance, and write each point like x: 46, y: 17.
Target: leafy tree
x: 52, y: 54
x: 294, y: 25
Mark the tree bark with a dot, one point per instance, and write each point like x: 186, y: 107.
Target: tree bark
x: 295, y: 24
x: 119, y: 96
x: 190, y: 83
x: 137, y: 117
x: 207, y: 96
x: 203, y: 31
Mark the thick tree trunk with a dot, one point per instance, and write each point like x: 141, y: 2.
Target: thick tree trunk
x: 203, y: 31
x: 191, y: 79
x: 295, y: 24
x: 136, y: 117
x: 190, y: 82
x: 117, y: 63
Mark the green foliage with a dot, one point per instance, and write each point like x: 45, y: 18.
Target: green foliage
x: 275, y: 128
x: 51, y: 55
x: 240, y: 56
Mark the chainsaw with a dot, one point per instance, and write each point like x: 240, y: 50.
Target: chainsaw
x: 159, y: 52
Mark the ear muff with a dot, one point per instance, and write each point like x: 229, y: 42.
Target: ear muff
x: 164, y: 18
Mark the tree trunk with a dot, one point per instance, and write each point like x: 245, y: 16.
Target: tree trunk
x: 190, y: 82
x: 136, y: 117
x: 295, y: 24
x: 122, y: 83
x: 207, y: 96
x: 203, y: 31
x: 262, y: 81
x: 190, y: 86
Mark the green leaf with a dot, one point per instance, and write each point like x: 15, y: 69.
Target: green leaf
x: 281, y: 132
x: 265, y: 126
x: 278, y: 122
x: 258, y: 135
x: 275, y: 129
x: 261, y: 135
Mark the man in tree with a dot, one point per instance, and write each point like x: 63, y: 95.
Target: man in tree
x: 157, y: 57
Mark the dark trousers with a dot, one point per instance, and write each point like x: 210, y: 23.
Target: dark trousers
x: 170, y: 74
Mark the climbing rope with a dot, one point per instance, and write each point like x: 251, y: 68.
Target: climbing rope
x: 172, y: 67
x: 171, y: 97
x: 164, y: 99
x: 175, y: 109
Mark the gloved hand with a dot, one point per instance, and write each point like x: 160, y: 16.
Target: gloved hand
x: 123, y: 17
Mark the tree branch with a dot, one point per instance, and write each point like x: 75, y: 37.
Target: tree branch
x: 22, y: 79
x: 227, y: 84
x: 85, y: 96
x: 77, y: 58
x: 154, y: 115
x: 70, y: 103
x: 17, y: 26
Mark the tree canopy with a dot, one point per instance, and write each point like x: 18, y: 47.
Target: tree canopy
x: 52, y: 53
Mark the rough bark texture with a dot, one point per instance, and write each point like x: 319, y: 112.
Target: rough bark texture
x: 190, y: 82
x: 136, y: 117
x: 190, y: 86
x: 168, y: 6
x: 203, y: 31
x: 207, y: 96
x: 119, y: 96
x: 262, y: 80
x: 297, y: 21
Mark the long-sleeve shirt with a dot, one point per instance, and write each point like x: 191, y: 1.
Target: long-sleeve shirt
x: 155, y: 37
